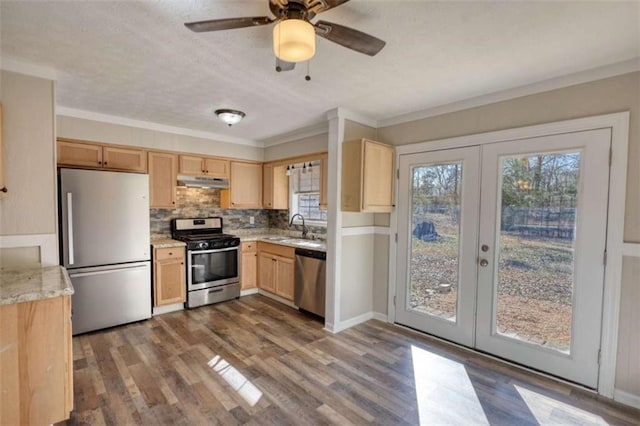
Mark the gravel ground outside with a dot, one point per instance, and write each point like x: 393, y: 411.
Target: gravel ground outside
x: 534, y: 288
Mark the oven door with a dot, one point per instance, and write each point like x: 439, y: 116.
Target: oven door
x: 208, y: 268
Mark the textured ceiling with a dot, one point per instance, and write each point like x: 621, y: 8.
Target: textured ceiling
x: 135, y: 59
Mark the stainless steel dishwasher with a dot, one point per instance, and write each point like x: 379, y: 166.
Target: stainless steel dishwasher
x: 309, y: 292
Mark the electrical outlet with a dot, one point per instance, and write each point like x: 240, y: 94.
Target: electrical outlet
x: 252, y: 220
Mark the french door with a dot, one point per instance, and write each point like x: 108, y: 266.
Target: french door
x: 501, y: 248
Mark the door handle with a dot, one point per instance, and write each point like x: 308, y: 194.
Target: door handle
x: 484, y: 262
x: 70, y: 227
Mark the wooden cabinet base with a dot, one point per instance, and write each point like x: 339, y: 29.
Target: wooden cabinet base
x: 36, y: 362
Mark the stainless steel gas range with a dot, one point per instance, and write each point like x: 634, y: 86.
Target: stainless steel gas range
x: 213, y: 260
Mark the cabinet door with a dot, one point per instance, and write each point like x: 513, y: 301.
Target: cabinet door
x: 169, y: 282
x: 249, y: 270
x: 267, y: 186
x: 3, y: 176
x: 216, y: 167
x: 284, y: 277
x: 377, y: 177
x: 246, y: 185
x: 163, y: 169
x: 134, y: 160
x: 324, y: 173
x: 266, y: 272
x: 190, y: 165
x: 79, y: 154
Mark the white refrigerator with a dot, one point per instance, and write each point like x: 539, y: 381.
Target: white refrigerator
x: 105, y: 246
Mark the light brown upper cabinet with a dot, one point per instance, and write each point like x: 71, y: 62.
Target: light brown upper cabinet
x: 3, y: 176
x: 324, y: 173
x: 124, y: 159
x: 367, y: 176
x: 80, y: 154
x: 204, y: 166
x: 275, y: 187
x: 163, y: 170
x: 245, y: 187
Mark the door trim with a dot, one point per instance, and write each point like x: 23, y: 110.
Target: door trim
x: 619, y: 125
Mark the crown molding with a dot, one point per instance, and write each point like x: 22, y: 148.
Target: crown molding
x: 112, y: 119
x: 13, y: 65
x: 305, y: 132
x: 586, y: 76
x: 350, y: 115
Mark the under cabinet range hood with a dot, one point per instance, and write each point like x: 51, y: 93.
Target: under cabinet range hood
x: 202, y: 182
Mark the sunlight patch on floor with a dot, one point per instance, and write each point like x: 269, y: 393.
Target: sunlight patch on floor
x: 236, y: 380
x: 549, y: 411
x: 442, y: 384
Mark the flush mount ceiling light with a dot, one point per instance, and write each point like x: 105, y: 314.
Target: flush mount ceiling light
x: 294, y: 40
x: 230, y: 116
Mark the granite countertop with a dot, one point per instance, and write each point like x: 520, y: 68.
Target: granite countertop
x: 166, y: 243
x: 286, y: 241
x: 27, y: 285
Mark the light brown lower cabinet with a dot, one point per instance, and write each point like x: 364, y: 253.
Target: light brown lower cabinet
x: 36, y: 362
x: 169, y: 276
x: 249, y: 262
x: 275, y: 269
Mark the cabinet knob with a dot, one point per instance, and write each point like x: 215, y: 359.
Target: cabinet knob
x: 100, y: 162
x: 182, y: 263
x: 4, y: 189
x: 105, y: 163
x: 170, y: 253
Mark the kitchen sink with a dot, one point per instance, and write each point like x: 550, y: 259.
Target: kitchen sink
x: 276, y: 238
x: 296, y: 242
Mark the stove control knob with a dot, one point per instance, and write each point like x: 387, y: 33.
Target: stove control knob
x: 203, y: 245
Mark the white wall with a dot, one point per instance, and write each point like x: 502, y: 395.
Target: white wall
x: 97, y: 131
x: 302, y: 146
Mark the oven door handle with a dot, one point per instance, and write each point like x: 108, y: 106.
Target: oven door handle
x: 192, y: 252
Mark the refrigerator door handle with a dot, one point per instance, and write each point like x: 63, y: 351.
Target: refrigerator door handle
x: 70, y: 227
x: 85, y: 272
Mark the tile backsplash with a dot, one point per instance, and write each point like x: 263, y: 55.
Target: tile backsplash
x: 199, y: 202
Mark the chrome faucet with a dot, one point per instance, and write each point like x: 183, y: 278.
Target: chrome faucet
x: 304, y: 228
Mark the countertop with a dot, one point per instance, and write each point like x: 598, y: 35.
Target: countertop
x: 166, y: 243
x: 28, y: 285
x: 286, y: 241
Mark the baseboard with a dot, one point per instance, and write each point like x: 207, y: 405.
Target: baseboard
x: 343, y: 325
x: 159, y: 310
x: 277, y: 299
x: 248, y: 291
x: 380, y: 317
x: 626, y: 398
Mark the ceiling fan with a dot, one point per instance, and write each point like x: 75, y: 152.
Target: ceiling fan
x: 294, y: 34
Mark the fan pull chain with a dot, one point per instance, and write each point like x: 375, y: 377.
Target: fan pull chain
x: 308, y: 77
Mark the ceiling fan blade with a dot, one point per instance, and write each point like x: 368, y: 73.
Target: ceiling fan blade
x: 227, y: 24
x: 334, y: 3
x: 350, y: 38
x: 284, y: 65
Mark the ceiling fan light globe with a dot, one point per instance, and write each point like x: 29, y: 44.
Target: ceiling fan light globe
x: 294, y: 40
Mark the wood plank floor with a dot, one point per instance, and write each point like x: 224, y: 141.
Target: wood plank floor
x: 254, y: 361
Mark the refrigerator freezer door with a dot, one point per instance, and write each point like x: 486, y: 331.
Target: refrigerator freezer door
x: 104, y: 217
x: 108, y: 296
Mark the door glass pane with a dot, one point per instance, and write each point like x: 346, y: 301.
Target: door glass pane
x: 435, y: 239
x: 536, y: 248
